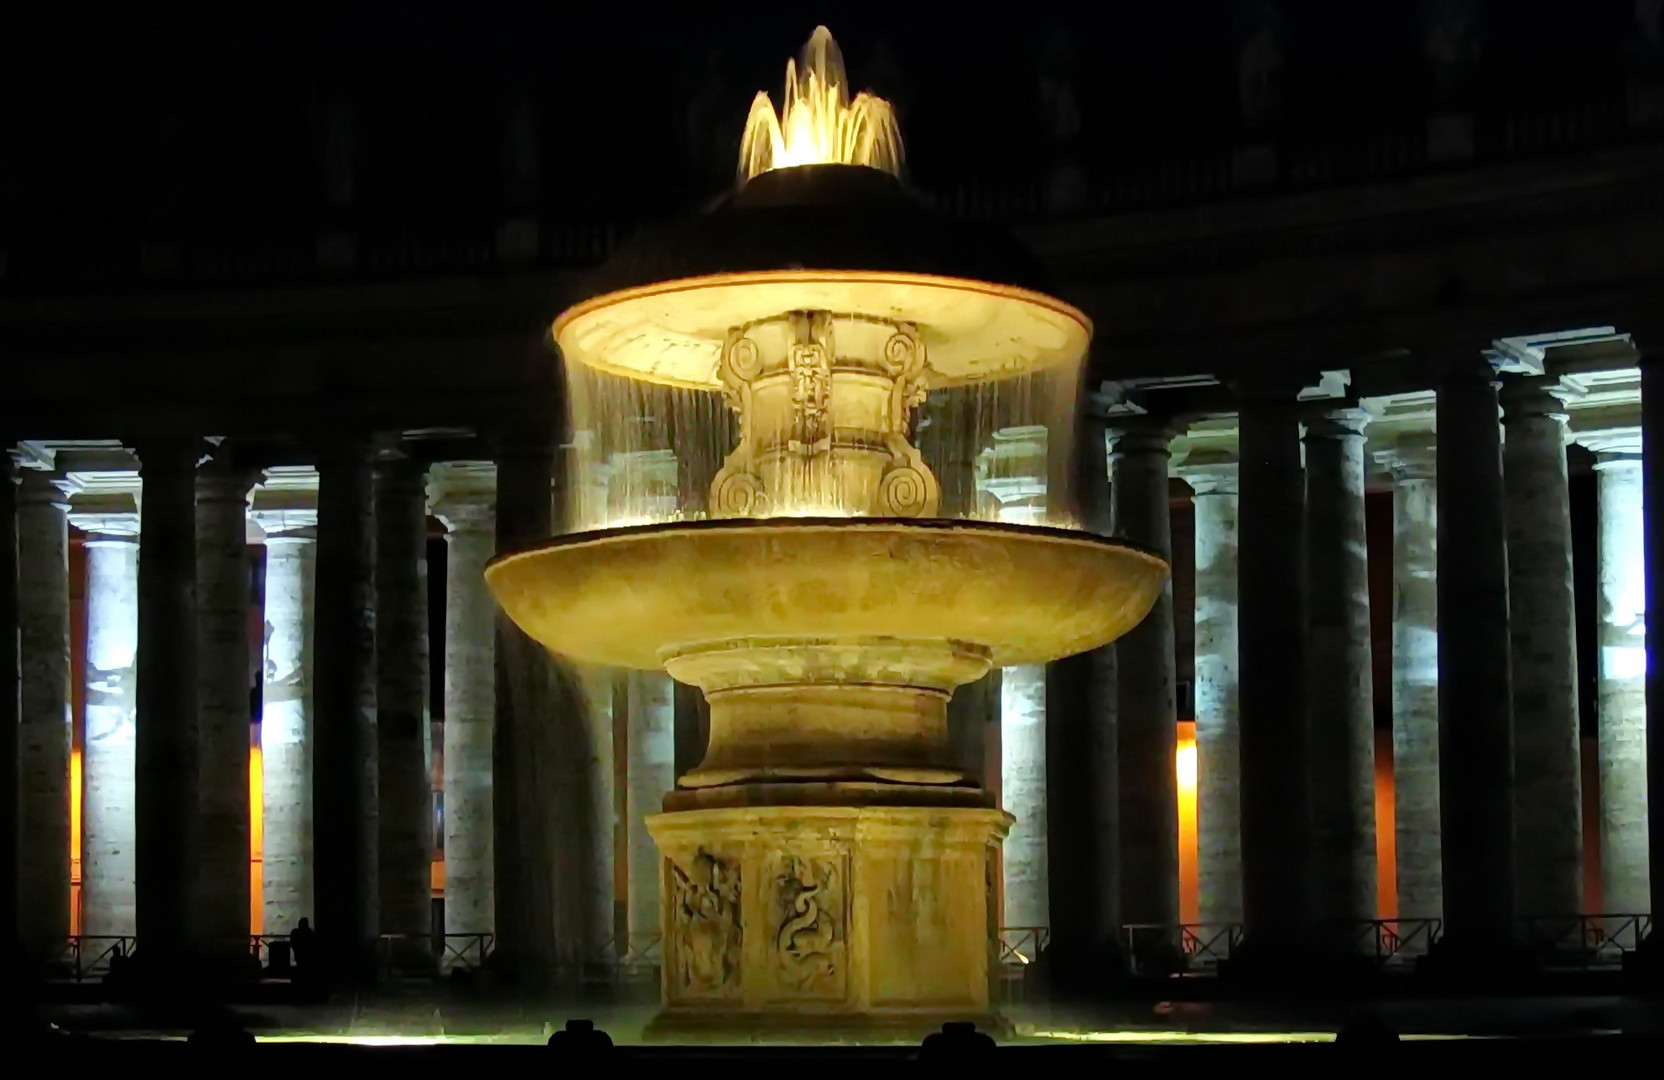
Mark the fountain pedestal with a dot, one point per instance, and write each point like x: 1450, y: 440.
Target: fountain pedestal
x: 827, y: 920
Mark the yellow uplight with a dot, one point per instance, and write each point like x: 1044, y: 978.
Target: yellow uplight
x: 819, y: 124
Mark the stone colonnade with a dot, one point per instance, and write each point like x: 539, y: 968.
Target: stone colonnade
x: 346, y: 814
x: 1485, y: 731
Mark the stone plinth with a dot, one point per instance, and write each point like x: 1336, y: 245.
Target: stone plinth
x: 788, y: 920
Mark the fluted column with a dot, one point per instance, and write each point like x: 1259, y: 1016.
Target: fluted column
x: 224, y: 580
x: 463, y: 495
x: 405, y: 783
x: 109, y: 808
x: 1275, y: 749
x: 1415, y: 677
x: 345, y: 827
x: 1340, y: 694
x: 1621, y: 739
x: 1148, y: 727
x: 168, y: 785
x: 1083, y: 809
x: 286, y: 718
x: 1548, y: 792
x: 1218, y: 747
x: 1476, y: 738
x: 42, y: 571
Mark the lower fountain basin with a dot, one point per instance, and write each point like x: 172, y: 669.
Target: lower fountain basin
x: 638, y: 597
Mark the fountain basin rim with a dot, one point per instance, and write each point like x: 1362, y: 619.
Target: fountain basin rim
x: 973, y: 525
x: 805, y: 600
x: 671, y: 332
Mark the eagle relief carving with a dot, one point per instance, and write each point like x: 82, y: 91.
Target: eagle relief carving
x: 809, y: 914
x: 706, y: 915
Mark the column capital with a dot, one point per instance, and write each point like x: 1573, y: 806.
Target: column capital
x: 1612, y: 445
x: 106, y: 518
x: 220, y: 480
x: 286, y: 523
x: 167, y: 452
x: 1526, y: 397
x: 1142, y: 433
x: 463, y: 494
x: 1208, y: 472
x: 41, y: 488
x: 1337, y: 422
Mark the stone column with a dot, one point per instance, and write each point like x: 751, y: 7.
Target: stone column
x: 1271, y: 627
x: 42, y: 571
x: 286, y: 725
x: 1621, y: 739
x: 1415, y: 677
x: 1083, y: 783
x: 10, y: 712
x: 1548, y: 792
x: 1476, y: 737
x: 109, y: 807
x: 345, y: 826
x: 168, y: 789
x: 1218, y: 747
x: 1023, y: 786
x: 1339, y: 688
x: 551, y: 896
x: 651, y: 753
x: 1148, y: 727
x: 463, y: 495
x: 224, y: 588
x: 405, y: 783
x: 1652, y: 499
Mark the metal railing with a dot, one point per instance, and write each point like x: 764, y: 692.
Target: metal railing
x: 1020, y: 946
x: 94, y: 956
x: 1585, y: 940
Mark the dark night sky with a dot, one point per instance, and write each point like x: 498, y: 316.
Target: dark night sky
x: 94, y: 90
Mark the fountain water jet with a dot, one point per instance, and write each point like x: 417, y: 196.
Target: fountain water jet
x: 827, y: 867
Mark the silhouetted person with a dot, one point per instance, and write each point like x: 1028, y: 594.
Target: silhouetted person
x: 581, y: 1040
x: 303, y: 949
x: 957, y: 1040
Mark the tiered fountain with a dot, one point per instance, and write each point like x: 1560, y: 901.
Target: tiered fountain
x: 828, y: 867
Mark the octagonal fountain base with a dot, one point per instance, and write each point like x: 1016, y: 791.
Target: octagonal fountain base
x: 826, y: 922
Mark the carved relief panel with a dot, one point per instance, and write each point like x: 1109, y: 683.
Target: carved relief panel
x: 809, y: 898
x: 704, y: 927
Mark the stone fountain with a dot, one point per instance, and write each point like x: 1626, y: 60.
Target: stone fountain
x: 828, y: 869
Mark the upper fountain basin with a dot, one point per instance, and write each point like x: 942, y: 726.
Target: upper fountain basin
x: 840, y: 238
x: 633, y: 597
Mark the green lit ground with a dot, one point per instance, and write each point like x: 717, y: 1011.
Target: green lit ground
x: 407, y: 1023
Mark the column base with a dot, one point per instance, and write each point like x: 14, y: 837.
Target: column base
x: 863, y: 923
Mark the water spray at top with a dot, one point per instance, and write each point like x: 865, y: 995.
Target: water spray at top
x: 819, y: 124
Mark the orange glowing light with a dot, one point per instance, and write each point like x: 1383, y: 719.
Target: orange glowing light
x: 1190, y: 883
x: 75, y: 842
x: 256, y: 840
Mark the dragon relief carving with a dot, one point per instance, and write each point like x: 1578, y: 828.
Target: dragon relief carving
x: 705, y: 910
x: 809, y: 902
